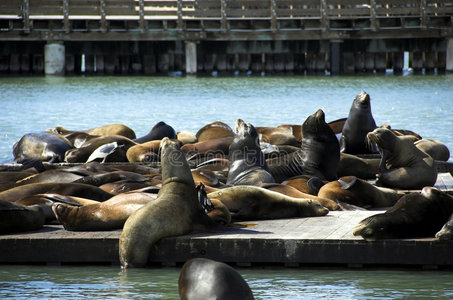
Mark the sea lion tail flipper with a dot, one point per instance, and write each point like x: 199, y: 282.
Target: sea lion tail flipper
x: 315, y: 183
x: 347, y: 182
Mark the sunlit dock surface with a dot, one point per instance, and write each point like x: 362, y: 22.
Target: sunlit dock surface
x: 323, y: 241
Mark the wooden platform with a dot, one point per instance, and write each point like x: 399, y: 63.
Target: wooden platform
x: 322, y: 241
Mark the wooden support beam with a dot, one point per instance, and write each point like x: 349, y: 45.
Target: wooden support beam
x: 66, y: 22
x: 26, y: 15
x: 274, y: 24
x: 141, y: 11
x: 103, y: 20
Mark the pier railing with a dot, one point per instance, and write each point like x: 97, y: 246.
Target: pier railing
x: 222, y: 15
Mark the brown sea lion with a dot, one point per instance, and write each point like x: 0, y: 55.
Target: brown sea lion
x: 247, y: 163
x: 211, y: 147
x: 146, y: 152
x: 400, y: 132
x: 319, y: 154
x: 402, y: 165
x: 353, y: 165
x: 335, y: 125
x: 415, y: 215
x: 177, y: 200
x: 436, y: 149
x: 360, y: 121
x: 256, y: 203
x: 277, y: 136
x: 19, y: 218
x: 214, y: 130
x: 305, y: 183
x: 158, y: 132
x: 358, y: 192
x: 42, y: 146
x: 110, y: 129
x: 202, y: 278
x: 186, y: 137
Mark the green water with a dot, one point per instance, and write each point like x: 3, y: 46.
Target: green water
x: 100, y: 282
x: 31, y: 104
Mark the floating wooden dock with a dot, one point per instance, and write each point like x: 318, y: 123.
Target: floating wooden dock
x: 317, y: 241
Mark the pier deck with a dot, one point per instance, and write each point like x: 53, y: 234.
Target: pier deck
x: 322, y: 241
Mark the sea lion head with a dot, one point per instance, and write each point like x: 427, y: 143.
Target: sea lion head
x: 314, y: 124
x: 244, y: 130
x: 371, y: 228
x: 362, y: 101
x: 174, y: 163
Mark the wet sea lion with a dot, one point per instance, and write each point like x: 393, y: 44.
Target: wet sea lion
x: 158, y: 132
x: 446, y: 232
x: 214, y: 130
x: 247, y: 163
x: 436, y: 149
x: 145, y: 152
x: 202, y: 278
x: 415, y: 215
x: 19, y: 218
x: 41, y: 145
x: 247, y: 202
x: 319, y: 153
x: 358, y: 192
x: 402, y: 164
x: 110, y: 129
x: 177, y: 200
x: 360, y: 121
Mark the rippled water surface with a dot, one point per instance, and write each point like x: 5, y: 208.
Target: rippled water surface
x: 30, y: 104
x: 162, y: 283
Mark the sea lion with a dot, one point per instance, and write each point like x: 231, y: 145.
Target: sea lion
x: 446, y: 232
x: 319, y: 154
x: 277, y: 136
x: 52, y: 175
x: 81, y: 155
x: 158, y: 132
x: 247, y: 163
x: 211, y: 147
x: 436, y: 149
x: 335, y: 125
x: 41, y: 145
x: 360, y: 121
x: 361, y: 167
x: 247, y: 202
x: 110, y: 129
x: 358, y: 192
x: 145, y: 152
x: 19, y: 218
x: 214, y: 130
x: 415, y: 215
x: 305, y: 183
x: 202, y: 278
x: 176, y: 200
x: 186, y: 137
x: 402, y: 164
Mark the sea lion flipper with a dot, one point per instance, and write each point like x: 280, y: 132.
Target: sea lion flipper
x: 315, y: 183
x: 347, y: 182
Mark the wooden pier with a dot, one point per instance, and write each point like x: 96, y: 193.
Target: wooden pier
x: 317, y: 241
x: 271, y: 36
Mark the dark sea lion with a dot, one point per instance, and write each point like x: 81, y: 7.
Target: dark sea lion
x: 358, y: 192
x: 247, y: 163
x: 158, y: 132
x: 295, y: 193
x: 202, y: 278
x: 353, y: 165
x: 415, y: 215
x: 402, y: 165
x: 52, y: 175
x: 145, y: 152
x: 446, y: 232
x: 81, y: 155
x: 99, y: 179
x: 177, y: 200
x: 110, y: 129
x: 247, y: 202
x: 335, y: 125
x: 9, y: 179
x: 42, y: 145
x: 122, y: 186
x: 360, y: 121
x: 277, y: 136
x: 19, y: 218
x: 319, y: 154
x: 436, y: 149
x: 74, y: 189
x: 214, y: 130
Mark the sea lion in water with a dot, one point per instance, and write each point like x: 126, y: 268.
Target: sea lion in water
x: 360, y: 121
x: 247, y: 202
x: 247, y: 163
x: 41, y: 145
x: 402, y: 165
x: 176, y: 200
x: 414, y: 215
x: 202, y: 278
x: 158, y: 132
x: 358, y: 192
x: 319, y: 153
